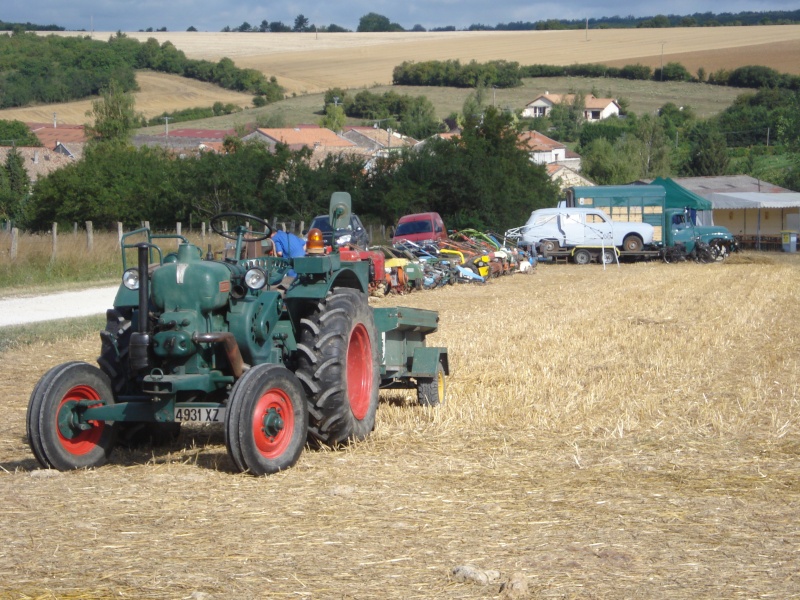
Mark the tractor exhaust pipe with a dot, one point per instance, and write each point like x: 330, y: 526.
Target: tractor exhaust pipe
x: 228, y: 341
x: 140, y: 339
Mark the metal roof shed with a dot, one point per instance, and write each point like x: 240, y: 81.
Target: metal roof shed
x: 760, y: 202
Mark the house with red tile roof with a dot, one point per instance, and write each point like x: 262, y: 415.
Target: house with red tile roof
x: 50, y: 134
x: 300, y: 137
x: 542, y: 149
x: 595, y: 109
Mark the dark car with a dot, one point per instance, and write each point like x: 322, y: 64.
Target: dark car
x: 354, y: 234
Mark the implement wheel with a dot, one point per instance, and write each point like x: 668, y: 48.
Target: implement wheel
x: 338, y: 366
x: 56, y: 437
x: 432, y: 391
x: 266, y: 422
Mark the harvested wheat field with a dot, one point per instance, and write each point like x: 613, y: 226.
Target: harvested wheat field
x: 620, y: 433
x: 309, y: 62
x: 158, y: 92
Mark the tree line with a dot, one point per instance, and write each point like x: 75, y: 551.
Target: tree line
x: 504, y: 74
x: 53, y: 69
x: 374, y: 22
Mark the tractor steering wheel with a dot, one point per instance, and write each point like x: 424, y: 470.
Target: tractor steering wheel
x: 241, y: 226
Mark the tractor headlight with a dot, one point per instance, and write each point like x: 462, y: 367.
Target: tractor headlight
x: 255, y: 279
x: 130, y: 279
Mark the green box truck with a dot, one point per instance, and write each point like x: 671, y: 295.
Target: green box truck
x: 668, y: 207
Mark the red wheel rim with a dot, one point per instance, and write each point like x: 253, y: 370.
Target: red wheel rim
x: 359, y: 371
x: 84, y: 441
x: 272, y: 446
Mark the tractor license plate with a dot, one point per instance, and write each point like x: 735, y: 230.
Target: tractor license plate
x: 200, y: 415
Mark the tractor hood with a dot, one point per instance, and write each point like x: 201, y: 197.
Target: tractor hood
x: 190, y: 283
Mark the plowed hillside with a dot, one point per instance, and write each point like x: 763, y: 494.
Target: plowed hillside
x: 312, y: 62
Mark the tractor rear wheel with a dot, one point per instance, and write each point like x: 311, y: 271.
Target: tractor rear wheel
x: 338, y: 366
x: 266, y: 423
x: 432, y: 391
x: 114, y: 361
x: 56, y: 436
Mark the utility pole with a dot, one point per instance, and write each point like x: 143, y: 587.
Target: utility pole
x: 662, y: 60
x: 166, y: 126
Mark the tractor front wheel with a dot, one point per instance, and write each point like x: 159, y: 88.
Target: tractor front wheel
x: 266, y: 423
x: 338, y: 366
x: 56, y: 435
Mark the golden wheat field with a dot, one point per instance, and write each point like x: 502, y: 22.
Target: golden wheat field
x: 621, y: 433
x: 312, y: 63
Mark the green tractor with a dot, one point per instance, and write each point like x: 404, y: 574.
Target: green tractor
x: 278, y: 364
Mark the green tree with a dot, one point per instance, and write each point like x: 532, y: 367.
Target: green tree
x: 16, y: 133
x: 608, y: 163
x: 654, y: 152
x: 300, y: 23
x: 567, y: 118
x: 708, y: 153
x: 114, y: 115
x: 375, y: 22
x: 419, y: 119
x: 14, y: 187
x: 334, y: 118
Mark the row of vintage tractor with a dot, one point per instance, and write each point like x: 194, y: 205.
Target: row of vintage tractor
x: 466, y: 256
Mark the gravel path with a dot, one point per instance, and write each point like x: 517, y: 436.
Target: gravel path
x: 63, y: 305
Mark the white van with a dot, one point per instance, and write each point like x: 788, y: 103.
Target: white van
x: 555, y: 229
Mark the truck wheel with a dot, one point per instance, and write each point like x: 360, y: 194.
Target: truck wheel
x: 548, y: 246
x: 56, y: 438
x: 432, y: 391
x: 266, y: 423
x: 113, y: 360
x: 607, y: 257
x: 338, y: 366
x: 632, y: 243
x: 582, y: 257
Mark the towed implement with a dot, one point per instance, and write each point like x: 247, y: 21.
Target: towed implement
x: 277, y: 362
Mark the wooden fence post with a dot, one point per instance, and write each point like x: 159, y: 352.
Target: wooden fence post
x: 302, y: 226
x: 55, y: 242
x: 178, y: 227
x: 147, y: 224
x: 75, y: 228
x: 14, y: 242
x: 203, y: 230
x: 119, y: 234
x: 89, y: 236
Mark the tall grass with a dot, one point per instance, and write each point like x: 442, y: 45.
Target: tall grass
x: 36, y: 268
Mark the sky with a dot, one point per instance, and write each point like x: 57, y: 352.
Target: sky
x: 213, y: 15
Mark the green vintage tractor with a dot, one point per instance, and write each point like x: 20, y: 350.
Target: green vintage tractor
x: 277, y: 363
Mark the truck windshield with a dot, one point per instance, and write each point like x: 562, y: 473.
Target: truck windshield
x: 414, y: 227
